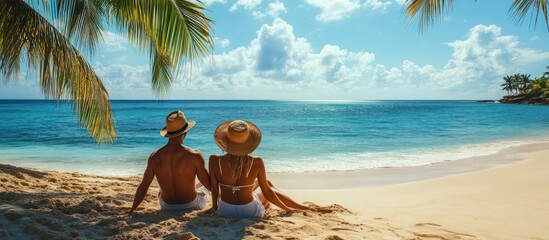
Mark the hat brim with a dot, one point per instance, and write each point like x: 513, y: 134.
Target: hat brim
x: 220, y: 137
x: 164, y: 131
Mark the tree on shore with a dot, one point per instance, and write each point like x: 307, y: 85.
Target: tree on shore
x: 523, y: 81
x: 173, y: 32
x: 431, y: 11
x: 520, y: 85
x: 508, y: 86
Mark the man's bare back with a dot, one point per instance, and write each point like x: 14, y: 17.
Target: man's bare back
x: 175, y: 167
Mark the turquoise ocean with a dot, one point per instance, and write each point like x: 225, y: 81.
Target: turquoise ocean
x: 298, y: 136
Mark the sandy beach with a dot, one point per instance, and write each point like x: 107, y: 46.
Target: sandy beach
x: 503, y: 196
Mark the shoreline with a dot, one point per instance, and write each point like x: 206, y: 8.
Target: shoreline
x: 503, y: 196
x: 369, y: 177
x: 395, y: 175
x: 433, y: 160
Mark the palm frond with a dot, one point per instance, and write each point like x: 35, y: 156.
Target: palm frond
x: 83, y: 20
x: 174, y: 31
x: 63, y: 72
x: 430, y: 11
x: 520, y: 9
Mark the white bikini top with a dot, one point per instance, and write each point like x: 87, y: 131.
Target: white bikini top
x: 233, y: 187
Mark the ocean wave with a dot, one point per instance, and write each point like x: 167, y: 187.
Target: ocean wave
x: 406, y: 158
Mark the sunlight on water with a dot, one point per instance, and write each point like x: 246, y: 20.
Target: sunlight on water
x: 298, y: 136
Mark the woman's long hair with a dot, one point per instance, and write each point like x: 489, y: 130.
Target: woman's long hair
x: 239, y: 163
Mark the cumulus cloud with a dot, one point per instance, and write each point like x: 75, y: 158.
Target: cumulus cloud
x: 223, y: 42
x: 487, y: 53
x: 334, y: 10
x: 245, y: 4
x: 276, y: 8
x: 377, y: 4
x: 279, y: 64
x: 114, y: 42
x: 210, y: 2
x: 124, y: 77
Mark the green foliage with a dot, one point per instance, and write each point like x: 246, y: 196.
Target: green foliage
x: 521, y: 84
x: 174, y: 32
x: 431, y: 11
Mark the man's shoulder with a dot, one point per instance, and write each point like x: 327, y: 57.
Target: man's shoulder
x: 192, y: 151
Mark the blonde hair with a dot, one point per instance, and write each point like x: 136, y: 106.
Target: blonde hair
x: 239, y: 163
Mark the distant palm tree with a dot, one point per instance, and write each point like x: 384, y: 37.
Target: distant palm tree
x: 546, y: 73
x: 523, y: 82
x: 171, y: 31
x: 508, y: 85
x: 516, y: 83
x: 431, y: 11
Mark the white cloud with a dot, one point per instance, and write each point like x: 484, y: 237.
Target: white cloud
x: 223, y: 42
x: 276, y: 8
x: 377, y: 4
x: 278, y: 64
x: 114, y: 42
x: 246, y: 4
x: 334, y: 10
x: 210, y: 2
x: 124, y: 77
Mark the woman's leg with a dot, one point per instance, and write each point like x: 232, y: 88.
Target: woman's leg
x: 283, y: 197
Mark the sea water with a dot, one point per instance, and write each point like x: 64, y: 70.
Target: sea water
x: 298, y: 136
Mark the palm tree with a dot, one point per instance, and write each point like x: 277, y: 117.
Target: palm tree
x: 508, y: 85
x: 432, y: 10
x: 516, y: 83
x: 524, y: 82
x: 546, y: 73
x: 172, y: 31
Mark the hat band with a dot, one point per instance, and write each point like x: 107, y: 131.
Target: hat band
x: 180, y: 130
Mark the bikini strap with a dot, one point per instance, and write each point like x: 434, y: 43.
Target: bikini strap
x: 236, y: 188
x: 220, y: 171
x: 250, y: 168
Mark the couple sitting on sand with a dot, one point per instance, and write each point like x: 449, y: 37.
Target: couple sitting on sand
x: 245, y: 190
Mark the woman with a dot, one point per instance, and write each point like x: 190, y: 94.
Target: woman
x: 238, y: 174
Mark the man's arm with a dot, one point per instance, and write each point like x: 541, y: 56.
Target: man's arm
x: 213, y: 181
x: 148, y: 176
x: 202, y: 173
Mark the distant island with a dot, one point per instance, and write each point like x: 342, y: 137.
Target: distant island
x: 521, y: 89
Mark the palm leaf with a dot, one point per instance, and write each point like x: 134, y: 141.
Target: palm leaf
x: 429, y: 11
x: 520, y: 9
x: 63, y: 73
x: 174, y: 32
x: 83, y: 21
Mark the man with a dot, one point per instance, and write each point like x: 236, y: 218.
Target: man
x: 175, y: 167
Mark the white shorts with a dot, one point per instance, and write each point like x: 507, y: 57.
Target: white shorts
x: 253, y: 209
x: 198, y: 203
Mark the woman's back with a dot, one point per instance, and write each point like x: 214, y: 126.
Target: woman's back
x: 236, y: 176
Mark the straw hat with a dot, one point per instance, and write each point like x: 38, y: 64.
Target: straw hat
x: 237, y: 137
x: 176, y: 125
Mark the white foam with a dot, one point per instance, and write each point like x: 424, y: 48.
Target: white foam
x: 407, y: 158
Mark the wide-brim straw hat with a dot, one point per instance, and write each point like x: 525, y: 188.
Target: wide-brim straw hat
x: 176, y: 125
x: 237, y: 137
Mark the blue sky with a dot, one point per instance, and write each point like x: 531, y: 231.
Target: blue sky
x: 334, y: 50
